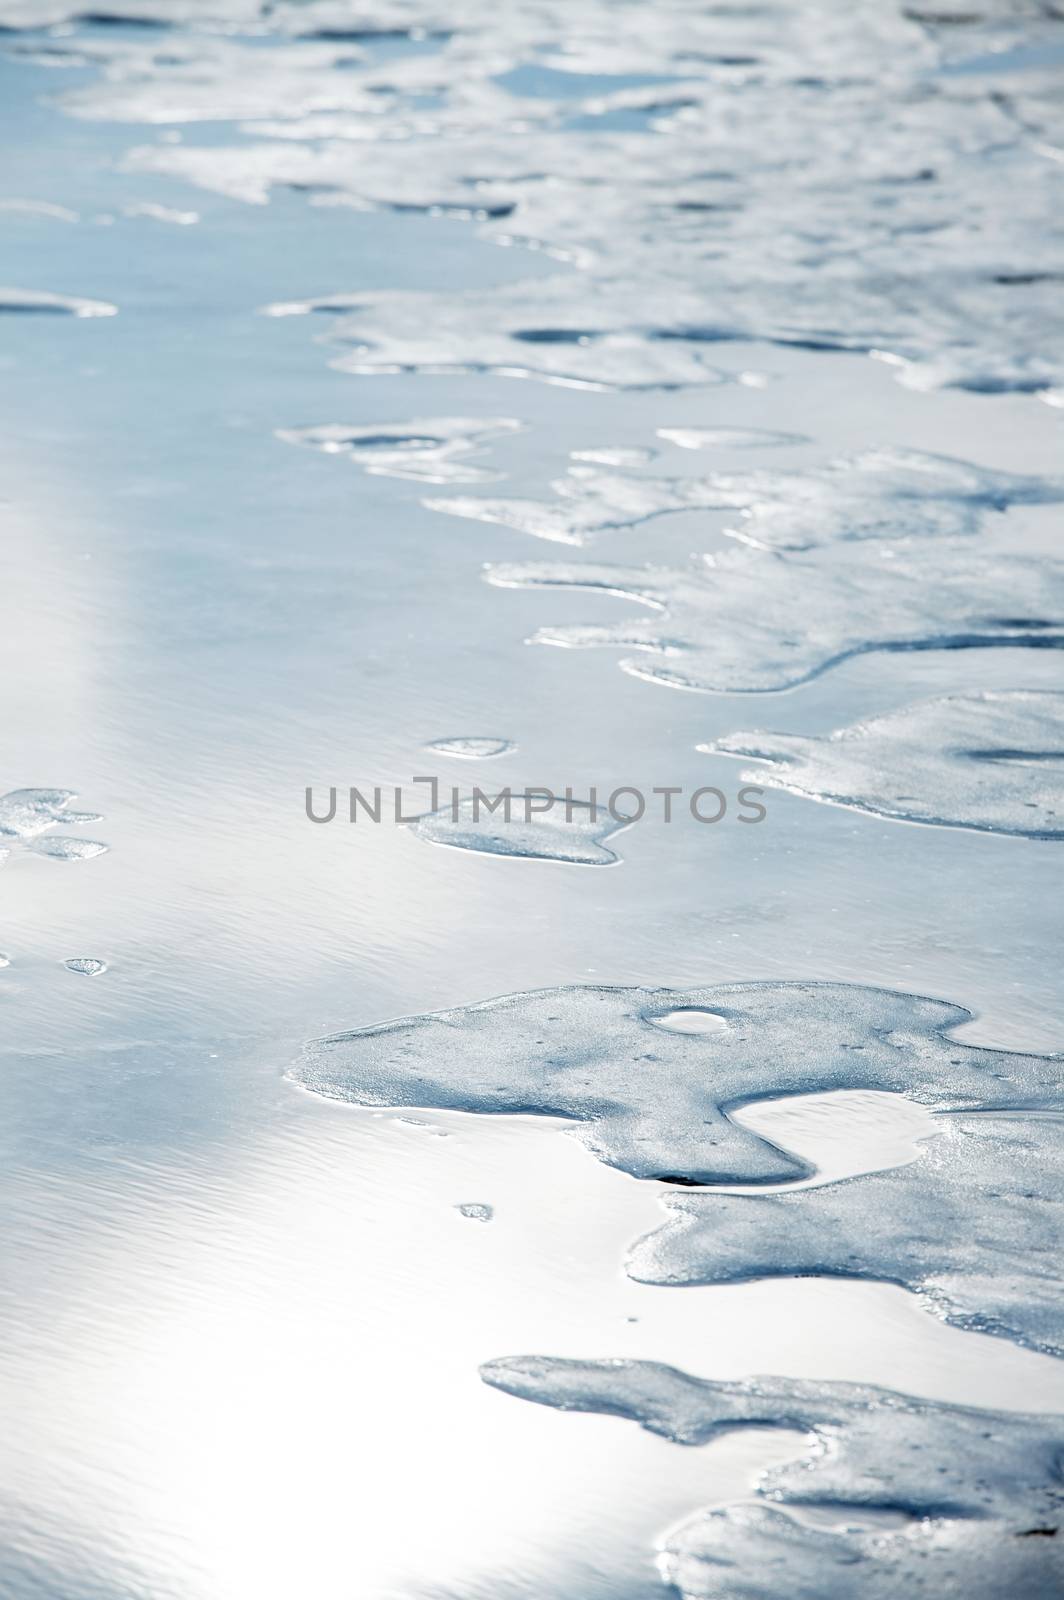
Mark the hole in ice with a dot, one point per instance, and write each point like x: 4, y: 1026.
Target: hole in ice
x: 689, y: 1019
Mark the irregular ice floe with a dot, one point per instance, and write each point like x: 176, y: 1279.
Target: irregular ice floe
x: 38, y: 208
x: 729, y: 438
x: 885, y: 493
x: 745, y: 189
x: 433, y: 450
x: 616, y: 456
x: 158, y: 213
x: 881, y: 493
x: 471, y: 747
x: 589, y: 502
x: 993, y: 761
x: 28, y: 815
x: 476, y: 1210
x: 888, y: 1495
x: 540, y: 329
x: 655, y: 1101
x: 574, y: 832
x: 88, y: 966
x: 38, y: 301
x: 745, y: 620
x: 975, y: 1226
x: 759, y: 1552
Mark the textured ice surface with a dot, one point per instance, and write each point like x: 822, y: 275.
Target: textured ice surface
x: 31, y: 301
x: 759, y: 1552
x: 28, y: 815
x: 735, y: 183
x: 882, y: 493
x: 993, y: 761
x: 573, y: 833
x: 472, y: 747
x: 432, y: 451
x: 746, y: 620
x: 729, y: 438
x: 588, y: 502
x: 616, y: 455
x: 654, y: 1101
x: 982, y: 1489
x: 885, y: 493
x: 537, y: 329
x: 88, y: 966
x: 158, y: 213
x: 975, y: 1225
x: 476, y: 1210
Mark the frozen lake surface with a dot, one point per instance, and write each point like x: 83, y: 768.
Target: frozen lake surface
x: 377, y: 378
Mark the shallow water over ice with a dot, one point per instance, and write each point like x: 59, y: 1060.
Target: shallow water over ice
x: 241, y: 1353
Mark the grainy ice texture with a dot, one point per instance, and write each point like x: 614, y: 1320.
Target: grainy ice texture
x: 992, y: 761
x: 531, y: 827
x: 27, y: 817
x: 975, y: 1226
x: 885, y: 493
x: 435, y: 450
x: 38, y: 302
x: 745, y: 621
x: 88, y: 966
x: 472, y: 747
x: 654, y: 1101
x: 756, y: 120
x: 975, y: 1499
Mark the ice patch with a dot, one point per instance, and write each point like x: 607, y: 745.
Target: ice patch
x: 472, y: 748
x: 992, y: 761
x: 656, y: 1102
x: 476, y: 1210
x: 573, y: 832
x: 38, y: 208
x: 745, y: 621
x: 978, y: 1492
x: 880, y: 494
x: 430, y: 451
x: 537, y: 329
x: 88, y: 966
x: 729, y: 438
x: 975, y: 1226
x: 37, y: 301
x: 615, y: 456
x: 589, y: 502
x: 28, y: 815
x: 728, y: 152
x: 158, y: 213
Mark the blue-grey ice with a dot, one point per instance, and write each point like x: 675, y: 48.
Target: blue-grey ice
x: 88, y: 966
x: 27, y: 817
x: 574, y: 832
x: 435, y: 450
x: 41, y: 301
x: 472, y: 747
x: 878, y: 494
x: 655, y: 1101
x: 730, y: 438
x: 974, y: 1226
x: 744, y: 620
x: 888, y: 245
x: 991, y: 761
x: 887, y: 1495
